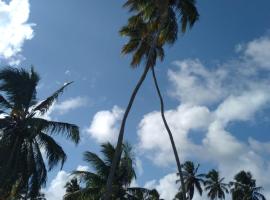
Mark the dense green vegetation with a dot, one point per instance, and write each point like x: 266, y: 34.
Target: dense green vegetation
x: 25, y: 135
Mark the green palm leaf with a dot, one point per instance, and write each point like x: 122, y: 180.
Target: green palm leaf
x: 19, y: 86
x: 71, y: 131
x: 54, y: 152
x: 44, y: 106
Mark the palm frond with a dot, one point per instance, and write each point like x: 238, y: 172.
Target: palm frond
x: 4, y: 103
x: 54, y: 152
x: 44, y: 106
x: 71, y: 131
x: 99, y: 165
x: 108, y: 150
x: 19, y: 86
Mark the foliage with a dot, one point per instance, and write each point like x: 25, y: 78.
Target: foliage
x: 215, y: 186
x: 95, y: 182
x: 26, y: 137
x: 244, y: 187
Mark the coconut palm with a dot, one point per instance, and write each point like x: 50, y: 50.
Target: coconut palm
x: 95, y: 182
x: 153, y: 25
x: 192, y: 180
x: 215, y: 185
x: 26, y: 138
x: 244, y: 187
x: 136, y: 193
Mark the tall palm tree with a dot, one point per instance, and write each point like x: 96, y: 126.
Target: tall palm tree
x: 25, y: 134
x: 153, y: 25
x: 192, y: 180
x: 215, y: 185
x: 244, y: 187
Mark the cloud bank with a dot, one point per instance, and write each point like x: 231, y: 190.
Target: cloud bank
x: 210, y: 99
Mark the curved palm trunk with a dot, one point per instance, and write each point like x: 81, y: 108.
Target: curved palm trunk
x: 169, y: 133
x: 118, y: 150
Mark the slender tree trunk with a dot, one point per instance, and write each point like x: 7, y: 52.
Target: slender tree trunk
x: 117, y: 154
x: 170, y: 134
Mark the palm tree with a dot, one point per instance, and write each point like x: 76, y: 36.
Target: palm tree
x: 153, y: 25
x: 25, y: 134
x: 95, y: 182
x: 136, y: 193
x: 215, y: 185
x: 192, y: 180
x: 244, y: 187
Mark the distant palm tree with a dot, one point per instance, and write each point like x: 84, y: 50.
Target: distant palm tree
x: 244, y: 187
x: 142, y: 194
x: 95, y: 182
x: 153, y: 25
x: 192, y: 179
x: 25, y: 137
x: 215, y: 185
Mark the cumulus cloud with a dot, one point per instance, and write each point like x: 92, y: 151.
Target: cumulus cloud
x: 56, y: 189
x: 66, y: 106
x: 258, y: 51
x: 14, y: 29
x: 154, y: 140
x: 104, y: 126
x: 70, y: 104
x: 210, y: 99
x: 192, y: 78
x: 166, y: 186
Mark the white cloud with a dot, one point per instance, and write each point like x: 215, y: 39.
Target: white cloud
x: 211, y: 99
x: 154, y: 140
x: 192, y: 78
x: 258, y: 51
x: 56, y: 189
x: 166, y: 186
x: 65, y: 106
x: 104, y: 126
x: 14, y: 29
x: 70, y: 104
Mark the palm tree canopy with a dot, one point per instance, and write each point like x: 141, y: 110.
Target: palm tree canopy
x: 25, y: 134
x: 244, y: 187
x: 95, y: 181
x: 154, y: 24
x: 192, y: 180
x: 215, y: 186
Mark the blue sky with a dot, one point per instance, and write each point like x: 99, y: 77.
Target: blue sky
x: 214, y: 80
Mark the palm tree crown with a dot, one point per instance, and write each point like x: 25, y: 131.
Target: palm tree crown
x: 215, y: 185
x: 192, y: 179
x: 25, y: 134
x: 244, y: 187
x: 95, y: 182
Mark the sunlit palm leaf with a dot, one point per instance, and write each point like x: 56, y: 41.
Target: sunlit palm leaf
x: 44, y: 106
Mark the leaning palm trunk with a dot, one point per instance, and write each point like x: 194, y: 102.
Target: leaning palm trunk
x: 170, y: 134
x: 118, y: 150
